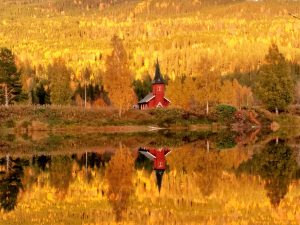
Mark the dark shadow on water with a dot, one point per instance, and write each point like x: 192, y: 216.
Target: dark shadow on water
x: 276, y: 165
x: 11, y: 182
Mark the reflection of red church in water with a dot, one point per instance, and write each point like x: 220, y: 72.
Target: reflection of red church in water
x: 158, y: 156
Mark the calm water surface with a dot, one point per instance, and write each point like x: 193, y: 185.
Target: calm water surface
x: 175, y: 178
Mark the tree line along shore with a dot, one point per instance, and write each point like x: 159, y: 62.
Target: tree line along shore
x: 274, y: 87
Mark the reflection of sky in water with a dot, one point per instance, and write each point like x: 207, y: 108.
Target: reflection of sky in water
x: 197, y: 181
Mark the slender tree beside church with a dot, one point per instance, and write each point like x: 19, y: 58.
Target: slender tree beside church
x: 118, y: 79
x: 274, y: 85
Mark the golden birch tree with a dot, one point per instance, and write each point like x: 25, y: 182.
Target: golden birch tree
x: 207, y: 84
x: 233, y: 93
x: 181, y: 92
x: 118, y: 79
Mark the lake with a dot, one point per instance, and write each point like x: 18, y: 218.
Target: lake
x: 165, y: 177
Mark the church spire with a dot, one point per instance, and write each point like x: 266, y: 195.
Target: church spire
x: 158, y: 77
x: 159, y: 178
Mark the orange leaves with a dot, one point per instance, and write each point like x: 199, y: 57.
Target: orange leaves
x: 233, y: 93
x: 119, y: 174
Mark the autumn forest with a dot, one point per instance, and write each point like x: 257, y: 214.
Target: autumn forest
x: 213, y: 52
x: 149, y: 112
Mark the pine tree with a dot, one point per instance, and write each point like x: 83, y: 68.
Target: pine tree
x: 43, y: 96
x: 142, y: 87
x: 10, y: 80
x: 118, y: 79
x: 274, y: 84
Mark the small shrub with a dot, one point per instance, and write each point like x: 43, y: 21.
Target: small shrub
x: 225, y: 113
x: 225, y: 140
x: 10, y: 124
x: 25, y: 124
x: 10, y: 138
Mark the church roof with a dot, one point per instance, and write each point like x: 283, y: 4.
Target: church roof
x: 158, y: 79
x: 147, y: 98
x: 167, y: 99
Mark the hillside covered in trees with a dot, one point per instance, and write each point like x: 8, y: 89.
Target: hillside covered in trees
x: 235, y: 34
x: 211, y: 50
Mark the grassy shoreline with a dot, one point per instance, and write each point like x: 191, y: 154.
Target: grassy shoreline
x: 27, y: 119
x: 59, y: 118
x: 53, y: 129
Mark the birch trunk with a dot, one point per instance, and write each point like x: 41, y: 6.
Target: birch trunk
x: 207, y: 108
x: 85, y: 95
x: 6, y: 95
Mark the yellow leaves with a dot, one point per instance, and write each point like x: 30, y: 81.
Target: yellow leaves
x: 175, y: 90
x: 50, y: 197
x: 233, y: 93
x: 140, y: 7
x: 48, y: 54
x: 290, y: 216
x: 191, y: 34
x: 57, y: 54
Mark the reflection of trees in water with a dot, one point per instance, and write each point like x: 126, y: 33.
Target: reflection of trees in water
x: 119, y: 174
x: 226, y: 139
x: 89, y: 161
x: 142, y: 162
x: 42, y: 162
x: 39, y: 165
x: 92, y: 160
x: 60, y: 174
x: 10, y: 182
x: 209, y: 171
x: 276, y: 164
x: 207, y: 166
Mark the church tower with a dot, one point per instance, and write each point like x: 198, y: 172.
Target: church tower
x: 158, y: 87
x: 156, y: 98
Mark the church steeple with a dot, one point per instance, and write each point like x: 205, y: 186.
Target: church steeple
x: 158, y: 77
x: 159, y: 178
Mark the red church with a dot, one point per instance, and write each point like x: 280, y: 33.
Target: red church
x: 160, y: 162
x: 157, y: 97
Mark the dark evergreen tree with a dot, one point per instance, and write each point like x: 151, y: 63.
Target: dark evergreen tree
x: 42, y: 94
x: 91, y: 92
x: 94, y: 92
x: 274, y: 85
x: 79, y: 91
x: 142, y: 87
x: 10, y: 79
x: 98, y: 91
